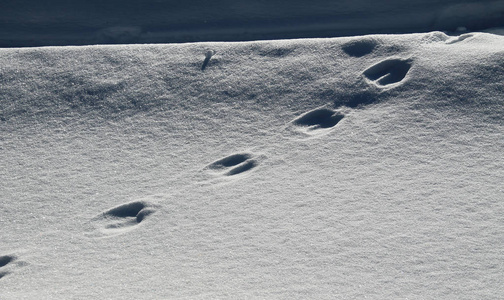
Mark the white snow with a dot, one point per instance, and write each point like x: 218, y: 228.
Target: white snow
x: 342, y: 168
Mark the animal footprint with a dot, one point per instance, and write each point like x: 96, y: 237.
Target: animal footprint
x: 358, y: 48
x: 459, y: 38
x: 233, y: 164
x: 388, y: 72
x: 4, y: 261
x: 317, y: 121
x: 123, y: 218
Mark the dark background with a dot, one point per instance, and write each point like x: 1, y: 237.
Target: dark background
x: 42, y: 23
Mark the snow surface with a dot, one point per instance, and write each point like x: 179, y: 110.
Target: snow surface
x: 57, y: 22
x: 354, y: 167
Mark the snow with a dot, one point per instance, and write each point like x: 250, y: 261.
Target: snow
x: 352, y: 167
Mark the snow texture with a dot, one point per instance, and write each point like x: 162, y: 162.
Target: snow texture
x: 341, y: 168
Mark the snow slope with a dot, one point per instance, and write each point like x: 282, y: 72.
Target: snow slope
x: 56, y: 22
x: 356, y: 167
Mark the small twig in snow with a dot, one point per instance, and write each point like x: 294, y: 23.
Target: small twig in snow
x: 208, y: 55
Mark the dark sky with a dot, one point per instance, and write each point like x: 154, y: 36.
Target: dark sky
x: 38, y: 23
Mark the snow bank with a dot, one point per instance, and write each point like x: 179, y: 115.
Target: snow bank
x: 353, y: 167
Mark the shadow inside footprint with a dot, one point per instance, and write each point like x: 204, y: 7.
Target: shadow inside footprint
x: 249, y: 164
x: 388, y: 71
x: 229, y: 161
x: 123, y: 218
x: 319, y: 118
x: 6, y: 259
x: 135, y: 210
x: 359, y: 48
x: 233, y: 164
